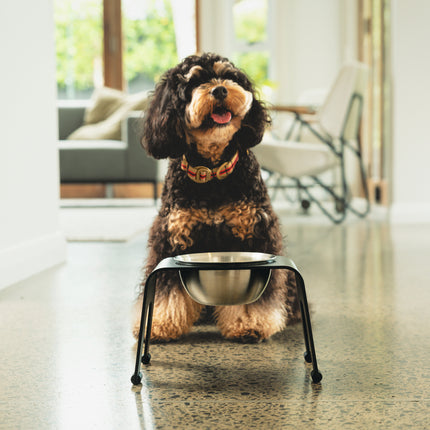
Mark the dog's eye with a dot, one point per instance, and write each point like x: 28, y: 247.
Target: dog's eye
x: 186, y: 90
x: 203, y: 76
x: 238, y: 77
x: 232, y: 74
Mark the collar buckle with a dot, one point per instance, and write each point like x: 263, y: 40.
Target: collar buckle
x: 202, y: 174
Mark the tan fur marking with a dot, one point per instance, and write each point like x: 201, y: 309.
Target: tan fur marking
x: 174, y: 315
x: 256, y: 320
x: 241, y: 217
x: 202, y: 103
x: 195, y: 70
x: 220, y: 67
x: 238, y: 101
x: 212, y: 142
x: 181, y: 223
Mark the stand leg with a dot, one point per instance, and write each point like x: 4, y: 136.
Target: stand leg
x: 307, y: 354
x: 310, y: 355
x: 145, y: 326
x: 146, y: 355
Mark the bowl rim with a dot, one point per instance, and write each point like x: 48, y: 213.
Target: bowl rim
x: 261, y: 258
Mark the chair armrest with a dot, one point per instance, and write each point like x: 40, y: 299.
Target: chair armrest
x: 300, y: 110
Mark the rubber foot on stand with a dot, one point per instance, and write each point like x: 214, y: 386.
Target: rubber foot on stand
x: 136, y: 379
x: 146, y: 359
x: 308, y: 357
x: 316, y: 376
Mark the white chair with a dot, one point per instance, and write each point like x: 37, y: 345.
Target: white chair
x: 335, y: 131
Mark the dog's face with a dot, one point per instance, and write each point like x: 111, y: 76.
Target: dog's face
x: 202, y: 105
x: 216, y: 109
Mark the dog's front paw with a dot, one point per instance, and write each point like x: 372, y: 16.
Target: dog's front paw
x: 249, y: 323
x: 245, y: 336
x: 173, y: 316
x: 240, y: 333
x: 162, y: 332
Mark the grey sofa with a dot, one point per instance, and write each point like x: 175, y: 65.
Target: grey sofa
x: 105, y: 161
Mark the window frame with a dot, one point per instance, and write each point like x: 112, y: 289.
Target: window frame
x: 268, y: 45
x: 112, y: 45
x: 113, y: 66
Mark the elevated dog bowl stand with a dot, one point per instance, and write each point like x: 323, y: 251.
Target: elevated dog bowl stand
x: 277, y: 262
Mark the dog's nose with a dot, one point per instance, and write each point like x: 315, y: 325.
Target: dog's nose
x: 219, y: 92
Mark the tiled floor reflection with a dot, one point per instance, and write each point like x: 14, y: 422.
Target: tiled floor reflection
x: 67, y: 353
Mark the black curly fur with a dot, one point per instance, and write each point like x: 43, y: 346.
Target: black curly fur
x: 164, y: 136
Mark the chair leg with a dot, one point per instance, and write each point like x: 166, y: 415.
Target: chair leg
x: 364, y: 184
x: 155, y: 185
x: 145, y: 326
x: 109, y: 191
x: 336, y: 217
x: 310, y: 355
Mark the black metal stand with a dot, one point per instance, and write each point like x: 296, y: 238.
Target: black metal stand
x: 278, y: 262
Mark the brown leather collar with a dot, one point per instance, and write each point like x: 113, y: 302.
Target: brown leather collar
x: 202, y: 174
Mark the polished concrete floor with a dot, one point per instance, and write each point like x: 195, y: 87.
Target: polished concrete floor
x: 67, y: 354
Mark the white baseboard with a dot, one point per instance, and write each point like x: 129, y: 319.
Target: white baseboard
x: 28, y: 258
x: 410, y: 213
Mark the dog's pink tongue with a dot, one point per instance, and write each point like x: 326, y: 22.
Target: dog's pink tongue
x: 223, y: 118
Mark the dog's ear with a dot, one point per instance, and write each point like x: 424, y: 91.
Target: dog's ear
x: 163, y: 134
x: 253, y: 125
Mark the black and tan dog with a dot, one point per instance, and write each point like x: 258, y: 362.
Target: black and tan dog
x: 204, y: 116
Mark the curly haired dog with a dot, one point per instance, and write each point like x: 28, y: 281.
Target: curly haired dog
x: 204, y: 116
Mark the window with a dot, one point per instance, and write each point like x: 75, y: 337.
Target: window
x: 251, y: 40
x: 79, y: 36
x: 126, y: 45
x: 149, y: 42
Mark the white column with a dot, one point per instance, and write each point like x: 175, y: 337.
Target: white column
x: 411, y: 111
x: 30, y: 240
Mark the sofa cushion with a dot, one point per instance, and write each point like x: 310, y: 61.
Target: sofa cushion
x: 81, y: 145
x: 109, y: 128
x: 104, y: 102
x: 92, y: 161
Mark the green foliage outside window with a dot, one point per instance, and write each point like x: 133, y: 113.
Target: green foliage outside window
x: 79, y: 39
x: 256, y: 65
x: 250, y: 21
x: 149, y: 45
x: 250, y: 28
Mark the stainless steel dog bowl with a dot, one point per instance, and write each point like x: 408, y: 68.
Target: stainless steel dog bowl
x: 226, y: 284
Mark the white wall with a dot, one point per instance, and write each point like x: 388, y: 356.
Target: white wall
x: 411, y: 110
x: 311, y: 40
x: 30, y: 240
x: 309, y: 46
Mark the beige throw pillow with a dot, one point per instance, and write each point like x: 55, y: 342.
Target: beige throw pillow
x: 104, y: 102
x: 109, y: 128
